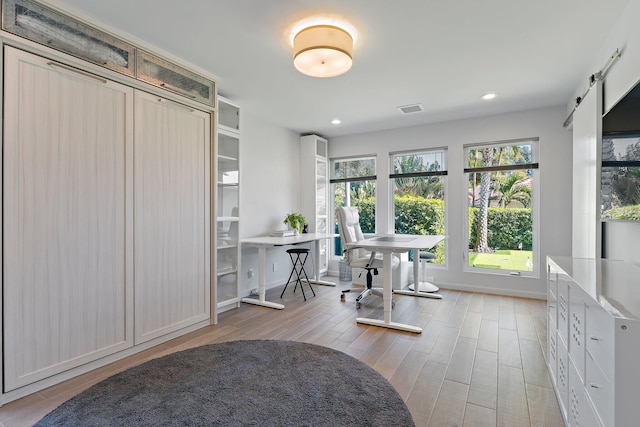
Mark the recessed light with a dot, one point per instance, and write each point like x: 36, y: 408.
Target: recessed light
x: 488, y: 96
x: 336, y: 121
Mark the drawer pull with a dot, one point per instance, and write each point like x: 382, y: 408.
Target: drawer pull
x: 594, y: 385
x: 596, y: 339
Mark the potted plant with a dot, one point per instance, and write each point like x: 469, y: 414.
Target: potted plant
x: 296, y: 221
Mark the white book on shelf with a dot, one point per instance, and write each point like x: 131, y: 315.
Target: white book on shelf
x: 283, y: 233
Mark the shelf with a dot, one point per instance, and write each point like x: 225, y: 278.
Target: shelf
x: 226, y: 246
x: 224, y: 272
x: 223, y: 157
x: 227, y: 249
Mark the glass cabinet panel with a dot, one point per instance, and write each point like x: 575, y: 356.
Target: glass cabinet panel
x: 42, y: 25
x: 228, y: 116
x: 169, y: 76
x: 228, y: 175
x: 227, y: 207
x: 321, y: 187
x: 227, y: 271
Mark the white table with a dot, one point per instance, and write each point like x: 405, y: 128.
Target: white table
x: 388, y: 244
x: 264, y: 242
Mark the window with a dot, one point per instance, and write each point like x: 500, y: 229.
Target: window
x: 502, y: 229
x: 353, y: 183
x: 620, y: 189
x: 419, y: 180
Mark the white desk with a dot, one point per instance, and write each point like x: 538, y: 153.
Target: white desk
x: 264, y: 242
x: 388, y: 244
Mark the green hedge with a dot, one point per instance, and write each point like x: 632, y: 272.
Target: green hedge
x: 627, y: 213
x: 415, y: 215
x: 507, y: 228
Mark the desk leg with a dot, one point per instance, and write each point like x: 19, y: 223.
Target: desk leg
x: 387, y: 293
x: 316, y: 274
x: 416, y: 281
x: 262, y: 279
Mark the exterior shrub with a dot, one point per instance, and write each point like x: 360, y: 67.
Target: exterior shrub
x: 627, y: 213
x: 508, y: 228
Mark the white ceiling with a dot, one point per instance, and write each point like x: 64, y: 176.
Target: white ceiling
x: 443, y: 54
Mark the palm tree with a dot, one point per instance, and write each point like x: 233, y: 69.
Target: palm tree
x: 481, y: 245
x: 511, y: 188
x: 496, y: 156
x: 427, y: 187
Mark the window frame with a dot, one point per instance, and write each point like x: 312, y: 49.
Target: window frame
x: 332, y: 194
x: 615, y: 164
x: 442, y: 173
x: 535, y: 205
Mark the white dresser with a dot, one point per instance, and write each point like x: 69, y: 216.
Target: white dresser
x: 593, y: 340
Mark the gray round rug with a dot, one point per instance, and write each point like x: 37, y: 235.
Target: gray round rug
x: 240, y: 383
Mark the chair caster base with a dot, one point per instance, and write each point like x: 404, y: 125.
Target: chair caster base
x: 358, y: 305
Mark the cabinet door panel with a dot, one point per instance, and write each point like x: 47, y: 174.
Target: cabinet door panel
x: 171, y: 181
x: 67, y: 261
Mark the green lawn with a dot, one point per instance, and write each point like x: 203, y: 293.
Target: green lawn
x: 503, y: 260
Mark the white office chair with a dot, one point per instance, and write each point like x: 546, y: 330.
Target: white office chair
x: 350, y: 231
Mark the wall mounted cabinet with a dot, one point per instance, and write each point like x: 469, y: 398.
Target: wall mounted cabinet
x: 176, y: 79
x: 44, y: 25
x: 227, y: 206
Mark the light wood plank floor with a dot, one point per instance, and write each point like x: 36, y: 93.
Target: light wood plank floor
x: 480, y: 360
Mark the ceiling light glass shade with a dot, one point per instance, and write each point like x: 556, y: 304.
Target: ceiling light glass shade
x: 322, y: 51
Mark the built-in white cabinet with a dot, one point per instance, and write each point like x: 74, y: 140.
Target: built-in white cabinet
x: 106, y: 212
x: 593, y: 351
x: 67, y: 216
x: 171, y: 220
x: 314, y: 188
x: 227, y: 206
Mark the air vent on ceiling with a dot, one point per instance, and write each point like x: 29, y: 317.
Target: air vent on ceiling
x: 413, y: 108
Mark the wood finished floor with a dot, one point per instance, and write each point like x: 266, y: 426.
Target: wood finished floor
x: 480, y: 360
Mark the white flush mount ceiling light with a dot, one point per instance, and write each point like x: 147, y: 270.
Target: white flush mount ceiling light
x: 322, y: 51
x: 488, y: 96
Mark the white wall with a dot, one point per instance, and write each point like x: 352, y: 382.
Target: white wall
x: 555, y: 186
x: 269, y: 190
x: 625, y: 72
x: 620, y: 238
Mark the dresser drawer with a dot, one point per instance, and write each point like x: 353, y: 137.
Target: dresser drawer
x: 562, y: 375
x: 552, y: 348
x: 563, y: 310
x: 552, y: 281
x: 600, y: 390
x: 580, y: 411
x: 600, y: 337
x: 552, y: 305
x: 577, y: 328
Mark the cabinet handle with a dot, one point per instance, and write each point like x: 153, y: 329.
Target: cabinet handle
x: 178, y: 91
x: 596, y: 339
x: 74, y: 70
x: 176, y: 105
x: 594, y: 385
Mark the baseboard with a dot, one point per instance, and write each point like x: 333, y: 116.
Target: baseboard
x: 95, y: 364
x: 493, y: 291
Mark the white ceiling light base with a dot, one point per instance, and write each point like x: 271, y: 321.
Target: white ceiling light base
x: 322, y: 51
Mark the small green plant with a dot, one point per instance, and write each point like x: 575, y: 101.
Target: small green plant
x: 295, y: 220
